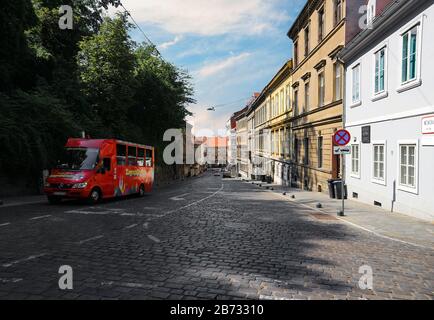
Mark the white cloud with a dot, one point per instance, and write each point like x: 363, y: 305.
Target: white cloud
x: 168, y: 44
x: 210, y: 17
x: 216, y: 67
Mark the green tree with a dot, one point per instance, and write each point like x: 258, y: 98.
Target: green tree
x: 106, y: 64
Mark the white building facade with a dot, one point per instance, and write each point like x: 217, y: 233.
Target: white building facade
x: 389, y: 109
x: 232, y: 143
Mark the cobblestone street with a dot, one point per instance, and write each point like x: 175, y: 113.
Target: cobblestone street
x: 204, y: 238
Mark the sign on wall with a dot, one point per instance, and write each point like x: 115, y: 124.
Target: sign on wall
x: 366, y: 134
x: 428, y: 124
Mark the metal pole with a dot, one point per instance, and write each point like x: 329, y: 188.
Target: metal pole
x: 343, y: 184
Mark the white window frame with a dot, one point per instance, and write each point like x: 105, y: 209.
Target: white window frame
x: 407, y: 188
x: 373, y: 178
x: 288, y: 97
x: 338, y: 67
x: 295, y: 102
x: 307, y: 97
x: 383, y: 93
x: 416, y: 82
x: 321, y: 74
x: 353, y: 173
x: 355, y: 103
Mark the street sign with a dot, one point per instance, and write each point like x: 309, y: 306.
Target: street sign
x: 341, y: 150
x: 342, y: 137
x: 428, y: 125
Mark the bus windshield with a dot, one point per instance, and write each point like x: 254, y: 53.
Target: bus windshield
x: 79, y: 159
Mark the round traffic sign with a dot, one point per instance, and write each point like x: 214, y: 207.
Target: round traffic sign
x: 342, y: 137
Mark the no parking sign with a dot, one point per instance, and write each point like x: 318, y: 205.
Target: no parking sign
x: 341, y: 137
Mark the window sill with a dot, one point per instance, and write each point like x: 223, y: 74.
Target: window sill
x: 380, y: 182
x: 355, y: 176
x: 409, y: 85
x: 408, y: 189
x: 356, y: 104
x: 380, y: 96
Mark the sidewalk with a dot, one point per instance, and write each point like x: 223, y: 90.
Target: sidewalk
x: 396, y: 226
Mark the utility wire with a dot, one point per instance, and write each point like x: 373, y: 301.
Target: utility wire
x: 229, y: 104
x: 140, y: 29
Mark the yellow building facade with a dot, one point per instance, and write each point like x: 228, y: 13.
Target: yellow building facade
x: 272, y: 116
x: 318, y: 35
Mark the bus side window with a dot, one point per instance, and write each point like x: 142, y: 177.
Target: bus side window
x: 148, y: 158
x: 141, y: 157
x: 132, y: 156
x: 121, y: 154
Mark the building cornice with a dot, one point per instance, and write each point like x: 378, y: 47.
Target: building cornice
x: 303, y: 18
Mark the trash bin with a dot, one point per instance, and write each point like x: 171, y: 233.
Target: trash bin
x: 331, y: 186
x: 338, y: 189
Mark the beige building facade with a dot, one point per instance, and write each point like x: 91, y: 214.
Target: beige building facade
x: 270, y: 122
x: 317, y: 92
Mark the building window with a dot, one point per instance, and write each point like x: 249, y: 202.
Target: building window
x: 337, y: 70
x: 295, y: 103
x: 356, y: 84
x: 288, y: 98
x: 320, y: 152
x: 321, y: 89
x: 355, y: 160
x: 408, y: 166
x: 306, y: 96
x: 296, y: 53
x: 379, y: 74
x: 337, y: 11
x: 306, y: 151
x: 282, y: 101
x: 409, y: 55
x: 276, y: 104
x: 320, y: 24
x: 379, y: 155
x: 276, y: 142
x: 296, y: 150
x: 306, y: 41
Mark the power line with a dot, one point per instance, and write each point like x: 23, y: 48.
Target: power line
x: 230, y: 103
x: 140, y: 29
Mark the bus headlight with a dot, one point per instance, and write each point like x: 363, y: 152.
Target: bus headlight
x: 79, y: 185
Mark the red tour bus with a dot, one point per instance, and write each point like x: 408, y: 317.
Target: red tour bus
x: 97, y: 169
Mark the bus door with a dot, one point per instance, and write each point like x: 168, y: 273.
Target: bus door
x: 105, y: 171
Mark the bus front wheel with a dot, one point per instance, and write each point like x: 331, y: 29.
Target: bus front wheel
x: 94, y: 196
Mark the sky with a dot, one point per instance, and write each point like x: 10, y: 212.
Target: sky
x: 231, y: 48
